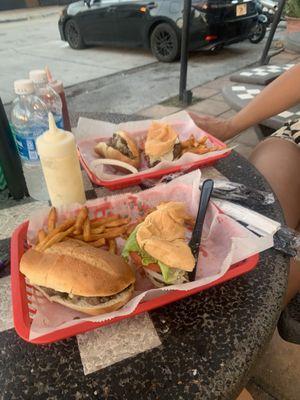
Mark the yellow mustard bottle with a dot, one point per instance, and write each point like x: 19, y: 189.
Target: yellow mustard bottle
x: 61, y: 168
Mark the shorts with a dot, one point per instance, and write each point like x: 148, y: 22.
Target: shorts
x: 290, y: 131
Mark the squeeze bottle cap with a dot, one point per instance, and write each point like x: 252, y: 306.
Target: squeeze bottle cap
x: 55, y: 143
x: 54, y: 134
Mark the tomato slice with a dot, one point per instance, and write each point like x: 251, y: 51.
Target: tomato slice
x: 138, y: 262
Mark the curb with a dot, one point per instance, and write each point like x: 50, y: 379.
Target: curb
x: 5, y: 21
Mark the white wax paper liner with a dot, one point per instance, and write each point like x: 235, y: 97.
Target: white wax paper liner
x: 89, y: 132
x: 224, y: 243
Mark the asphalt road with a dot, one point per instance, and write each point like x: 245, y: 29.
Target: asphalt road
x: 115, y: 80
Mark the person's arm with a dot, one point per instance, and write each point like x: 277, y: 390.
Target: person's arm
x: 281, y: 94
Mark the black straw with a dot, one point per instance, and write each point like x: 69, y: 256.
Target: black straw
x: 206, y: 191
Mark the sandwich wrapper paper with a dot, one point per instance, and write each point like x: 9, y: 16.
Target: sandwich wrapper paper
x: 224, y: 243
x: 89, y: 132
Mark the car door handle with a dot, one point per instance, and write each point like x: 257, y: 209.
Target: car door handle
x: 152, y: 5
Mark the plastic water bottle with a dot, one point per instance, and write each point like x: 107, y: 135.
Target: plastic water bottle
x: 29, y: 117
x: 49, y: 96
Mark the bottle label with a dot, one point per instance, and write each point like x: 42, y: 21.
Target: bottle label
x: 59, y: 121
x: 26, y: 144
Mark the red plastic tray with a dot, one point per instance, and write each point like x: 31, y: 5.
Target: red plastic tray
x: 135, y: 180
x: 21, y: 305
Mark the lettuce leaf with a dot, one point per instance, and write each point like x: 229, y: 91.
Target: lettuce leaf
x: 169, y: 274
x: 172, y: 275
x: 131, y: 245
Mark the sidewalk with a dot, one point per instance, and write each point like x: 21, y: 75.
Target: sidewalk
x: 25, y: 14
x: 276, y: 373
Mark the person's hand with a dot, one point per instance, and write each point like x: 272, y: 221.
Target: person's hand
x: 218, y: 127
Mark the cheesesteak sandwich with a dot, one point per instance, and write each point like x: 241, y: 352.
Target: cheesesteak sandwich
x: 79, y: 276
x: 159, y: 245
x: 162, y: 144
x: 120, y: 147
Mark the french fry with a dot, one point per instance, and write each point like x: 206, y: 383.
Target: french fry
x: 117, y: 222
x: 58, y: 237
x: 86, y: 230
x: 187, y: 143
x: 112, y: 233
x: 81, y: 217
x: 202, y: 140
x: 52, y: 219
x: 60, y: 228
x: 129, y: 230
x: 41, y: 235
x: 98, y: 243
x: 96, y: 231
x: 214, y: 148
x: 112, y: 246
x: 92, y: 238
x: 103, y: 220
x: 197, y: 150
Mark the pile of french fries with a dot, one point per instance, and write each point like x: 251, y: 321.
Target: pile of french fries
x: 192, y: 145
x: 100, y: 232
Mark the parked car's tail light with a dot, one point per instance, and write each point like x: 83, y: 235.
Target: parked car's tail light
x: 210, y: 38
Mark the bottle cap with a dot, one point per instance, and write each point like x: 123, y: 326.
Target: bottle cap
x: 24, y: 86
x: 55, y: 143
x: 38, y: 76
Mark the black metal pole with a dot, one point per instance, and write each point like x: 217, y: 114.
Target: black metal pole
x: 185, y: 96
x: 264, y: 57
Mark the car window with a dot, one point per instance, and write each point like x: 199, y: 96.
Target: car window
x: 107, y: 1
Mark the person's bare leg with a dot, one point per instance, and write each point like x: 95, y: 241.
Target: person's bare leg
x: 278, y: 160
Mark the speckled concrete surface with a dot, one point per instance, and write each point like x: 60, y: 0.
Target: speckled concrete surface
x: 6, y: 318
x: 113, y: 343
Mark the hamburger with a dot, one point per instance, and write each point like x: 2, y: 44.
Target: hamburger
x: 120, y: 147
x: 162, y: 144
x: 159, y: 245
x: 79, y: 276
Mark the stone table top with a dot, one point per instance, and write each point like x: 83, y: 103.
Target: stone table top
x: 240, y: 94
x: 201, y: 347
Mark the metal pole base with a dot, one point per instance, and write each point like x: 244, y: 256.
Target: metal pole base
x: 186, y: 98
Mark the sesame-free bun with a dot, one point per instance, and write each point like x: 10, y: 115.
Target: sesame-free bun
x: 107, y: 151
x: 76, y: 268
x: 162, y: 236
x: 160, y: 140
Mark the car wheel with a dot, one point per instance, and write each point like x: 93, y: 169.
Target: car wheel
x: 73, y: 35
x: 164, y: 43
x: 258, y: 33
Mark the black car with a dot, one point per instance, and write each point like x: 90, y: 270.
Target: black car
x: 156, y: 24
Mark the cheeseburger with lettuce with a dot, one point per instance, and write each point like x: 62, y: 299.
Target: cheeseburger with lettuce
x: 160, y: 246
